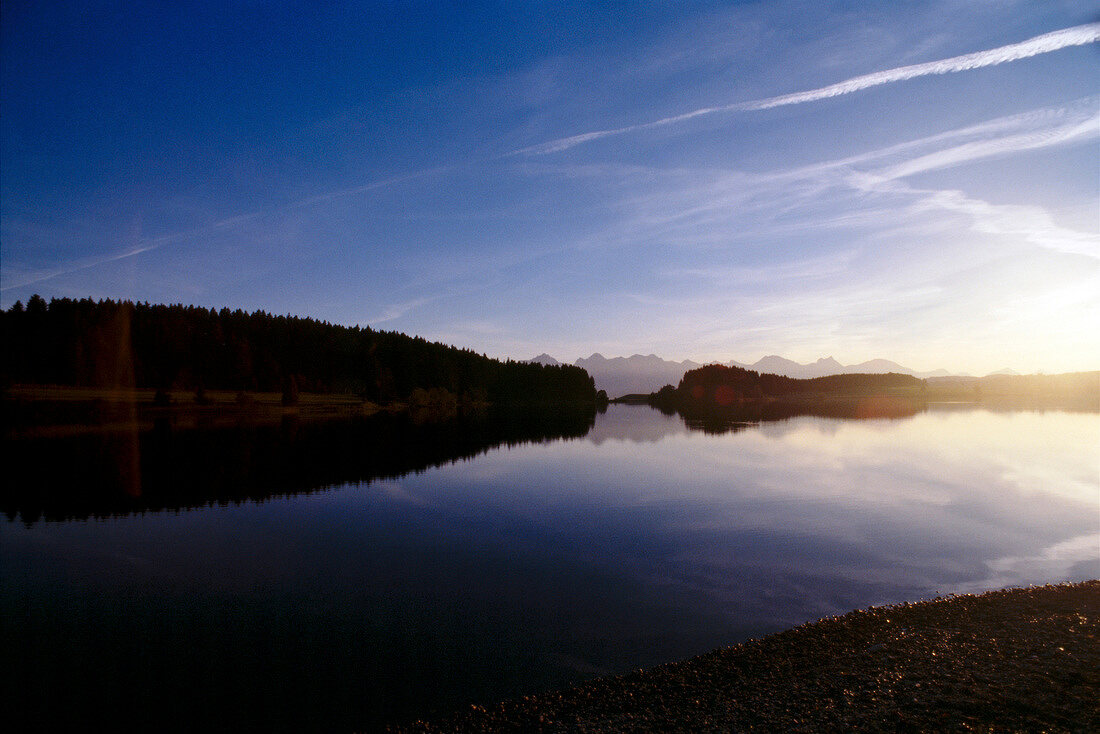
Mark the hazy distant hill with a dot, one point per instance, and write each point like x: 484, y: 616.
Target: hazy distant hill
x: 545, y: 359
x: 648, y: 373
x: 639, y: 373
x: 776, y: 365
x: 828, y: 366
x: 625, y: 375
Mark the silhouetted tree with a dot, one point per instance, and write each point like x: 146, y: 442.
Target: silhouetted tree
x: 290, y: 391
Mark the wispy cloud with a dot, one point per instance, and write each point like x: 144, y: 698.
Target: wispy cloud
x: 1033, y: 129
x: 75, y: 267
x: 397, y: 310
x: 148, y: 244
x: 804, y: 269
x: 367, y: 187
x: 228, y: 223
x: 950, y: 242
x: 1031, y: 224
x: 1028, y: 223
x: 1073, y: 131
x: 867, y: 191
x: 1046, y: 43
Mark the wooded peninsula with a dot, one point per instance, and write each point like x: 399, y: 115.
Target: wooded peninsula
x: 720, y: 391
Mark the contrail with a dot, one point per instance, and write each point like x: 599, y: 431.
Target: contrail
x: 1072, y: 131
x: 77, y: 267
x: 232, y: 221
x: 1077, y: 36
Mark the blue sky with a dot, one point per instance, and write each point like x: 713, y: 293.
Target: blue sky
x: 713, y: 181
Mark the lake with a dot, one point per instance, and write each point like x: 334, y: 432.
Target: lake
x: 342, y: 575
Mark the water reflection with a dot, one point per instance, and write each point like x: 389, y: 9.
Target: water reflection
x: 102, y: 473
x: 740, y: 416
x: 105, y: 473
x: 522, y: 569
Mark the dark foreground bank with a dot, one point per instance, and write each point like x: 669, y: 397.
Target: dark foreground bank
x: 1012, y: 660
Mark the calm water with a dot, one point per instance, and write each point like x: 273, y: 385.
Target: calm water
x: 376, y: 581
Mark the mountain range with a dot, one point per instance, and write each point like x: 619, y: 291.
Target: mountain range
x: 648, y: 373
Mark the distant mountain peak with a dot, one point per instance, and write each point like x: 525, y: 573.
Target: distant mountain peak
x: 775, y: 364
x: 546, y: 359
x: 646, y: 373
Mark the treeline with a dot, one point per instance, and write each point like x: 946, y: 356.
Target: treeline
x: 721, y: 392
x: 719, y: 386
x: 1084, y: 387
x: 122, y: 344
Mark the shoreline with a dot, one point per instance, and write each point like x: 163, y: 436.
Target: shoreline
x: 56, y: 411
x: 1008, y: 660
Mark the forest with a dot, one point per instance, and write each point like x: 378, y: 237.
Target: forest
x: 120, y: 344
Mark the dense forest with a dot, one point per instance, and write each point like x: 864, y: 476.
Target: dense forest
x: 122, y: 344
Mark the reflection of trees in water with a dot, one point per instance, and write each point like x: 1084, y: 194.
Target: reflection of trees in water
x: 107, y: 474
x: 746, y: 414
x: 717, y: 426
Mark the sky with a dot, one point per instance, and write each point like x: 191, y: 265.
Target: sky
x: 711, y: 181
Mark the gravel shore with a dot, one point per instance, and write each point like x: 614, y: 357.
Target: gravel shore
x: 1013, y: 660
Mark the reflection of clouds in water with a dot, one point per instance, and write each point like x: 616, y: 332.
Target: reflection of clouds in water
x: 925, y: 501
x: 635, y: 423
x: 1058, y: 561
x: 929, y: 457
x: 780, y: 429
x: 1033, y: 477
x: 395, y: 491
x: 873, y: 510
